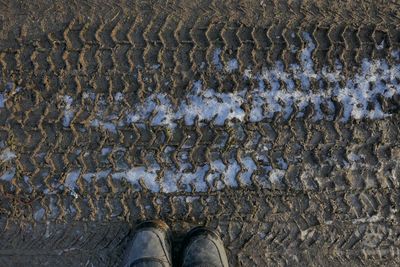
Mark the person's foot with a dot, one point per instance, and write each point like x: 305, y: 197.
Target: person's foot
x: 150, y: 246
x: 203, y: 247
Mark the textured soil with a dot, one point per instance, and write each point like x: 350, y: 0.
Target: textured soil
x: 337, y: 203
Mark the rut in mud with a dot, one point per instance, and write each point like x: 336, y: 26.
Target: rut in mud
x: 275, y: 123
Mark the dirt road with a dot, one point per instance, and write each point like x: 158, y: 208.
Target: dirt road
x: 275, y: 122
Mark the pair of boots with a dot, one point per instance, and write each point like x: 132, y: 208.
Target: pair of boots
x: 151, y: 247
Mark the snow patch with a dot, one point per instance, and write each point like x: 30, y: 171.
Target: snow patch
x: 230, y: 173
x: 119, y: 97
x: 275, y: 91
x: 169, y: 182
x: 214, y: 176
x: 249, y: 168
x: 70, y: 181
x: 108, y: 126
x: 99, y: 175
x: 232, y: 65
x: 195, y: 181
x: 8, y: 175
x: 68, y: 110
x: 381, y: 45
x: 105, y: 151
x: 139, y: 175
x: 276, y: 176
x: 282, y: 164
x: 7, y: 155
x: 395, y: 54
x: 2, y: 100
x: 353, y: 157
x: 216, y: 60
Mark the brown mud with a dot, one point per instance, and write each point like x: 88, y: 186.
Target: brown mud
x: 322, y: 213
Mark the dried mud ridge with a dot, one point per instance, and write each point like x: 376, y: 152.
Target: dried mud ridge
x: 336, y: 198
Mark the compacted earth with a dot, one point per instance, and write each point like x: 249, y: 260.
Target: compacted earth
x: 274, y: 122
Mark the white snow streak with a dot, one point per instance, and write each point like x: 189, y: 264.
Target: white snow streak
x: 279, y: 90
x: 68, y: 110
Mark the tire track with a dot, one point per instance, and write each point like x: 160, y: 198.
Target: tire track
x: 302, y: 190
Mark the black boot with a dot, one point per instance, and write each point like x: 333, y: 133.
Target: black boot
x: 150, y: 246
x: 203, y: 247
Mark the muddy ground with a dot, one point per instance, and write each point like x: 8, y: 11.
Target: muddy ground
x: 97, y: 130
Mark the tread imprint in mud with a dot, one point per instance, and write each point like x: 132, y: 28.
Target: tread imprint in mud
x: 330, y: 205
